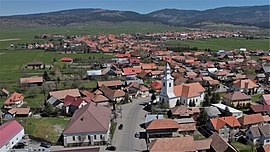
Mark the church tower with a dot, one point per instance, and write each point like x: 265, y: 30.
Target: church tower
x: 167, y: 85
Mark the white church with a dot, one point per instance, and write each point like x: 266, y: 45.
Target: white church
x: 183, y: 94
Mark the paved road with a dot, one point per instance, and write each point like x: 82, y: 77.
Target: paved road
x: 132, y: 116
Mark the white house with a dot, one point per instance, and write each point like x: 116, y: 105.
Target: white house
x: 259, y: 134
x: 10, y: 134
x: 183, y: 94
x: 233, y: 111
x: 89, y: 125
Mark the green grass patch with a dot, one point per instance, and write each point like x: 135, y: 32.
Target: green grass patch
x: 224, y: 43
x: 112, y: 129
x: 243, y: 148
x: 49, y: 128
x: 255, y: 97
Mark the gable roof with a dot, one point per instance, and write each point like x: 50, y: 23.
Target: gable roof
x: 179, y: 144
x: 8, y: 130
x: 266, y: 98
x: 220, y: 145
x: 188, y: 90
x: 184, y: 110
x: 90, y: 118
x: 247, y: 83
x: 231, y: 121
x: 236, y: 96
x: 251, y: 119
x: 260, y: 108
x: 14, y: 98
x: 110, y: 83
x: 258, y: 131
x: 63, y: 93
x: 161, y: 124
x: 34, y: 79
x: 19, y: 111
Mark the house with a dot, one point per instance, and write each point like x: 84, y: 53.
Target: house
x: 218, y: 144
x: 263, y: 109
x: 71, y: 104
x: 11, y: 133
x: 179, y: 144
x: 113, y: 95
x: 144, y: 91
x: 183, y: 94
x: 60, y: 95
x: 233, y: 111
x: 160, y: 128
x: 114, y: 84
x: 237, y: 99
x: 259, y: 135
x: 55, y: 102
x: 247, y: 121
x: 247, y: 86
x: 100, y: 99
x: 148, y: 66
x: 212, y: 112
x: 66, y: 59
x: 89, y: 125
x: 265, y: 99
x: 187, y: 126
x: 35, y: 64
x: 15, y: 100
x: 183, y: 111
x: 4, y: 93
x: 150, y: 117
x: 156, y: 85
x: 224, y: 126
x: 31, y: 81
x: 18, y: 112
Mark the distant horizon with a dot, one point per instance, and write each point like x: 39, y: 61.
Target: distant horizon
x: 20, y: 7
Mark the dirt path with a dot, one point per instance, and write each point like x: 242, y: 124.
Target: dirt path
x: 14, y: 39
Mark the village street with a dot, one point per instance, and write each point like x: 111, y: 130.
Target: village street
x: 132, y: 116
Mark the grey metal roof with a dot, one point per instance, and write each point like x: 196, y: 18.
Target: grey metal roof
x: 212, y: 111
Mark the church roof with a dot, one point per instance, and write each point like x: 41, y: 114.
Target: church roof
x: 188, y: 90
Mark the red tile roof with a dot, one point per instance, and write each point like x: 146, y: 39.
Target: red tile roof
x: 188, y: 90
x: 156, y: 85
x: 110, y: 83
x: 63, y: 93
x: 90, y: 118
x: 34, y: 79
x: 236, y: 96
x: 8, y: 130
x: 218, y: 123
x: 251, y: 119
x: 161, y: 124
x: 66, y: 59
x: 15, y: 97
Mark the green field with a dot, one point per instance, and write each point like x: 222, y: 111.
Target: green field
x: 224, y: 43
x: 49, y: 128
x: 26, y: 35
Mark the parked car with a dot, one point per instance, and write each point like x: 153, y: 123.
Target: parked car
x: 19, y: 146
x: 120, y: 127
x: 45, y: 144
x: 111, y: 148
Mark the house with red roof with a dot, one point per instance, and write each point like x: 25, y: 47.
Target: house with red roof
x: 10, y: 134
x: 31, y: 81
x: 123, y: 55
x: 224, y: 126
x: 15, y: 100
x: 265, y: 99
x: 66, y: 59
x: 89, y: 125
x: 71, y: 104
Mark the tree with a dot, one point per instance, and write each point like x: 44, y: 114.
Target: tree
x: 214, y: 99
x: 46, y: 76
x: 48, y: 110
x: 164, y: 105
x: 153, y: 97
x: 202, y: 119
x: 33, y: 91
x: 227, y: 112
x: 206, y: 101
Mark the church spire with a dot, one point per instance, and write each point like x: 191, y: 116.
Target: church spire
x: 168, y: 69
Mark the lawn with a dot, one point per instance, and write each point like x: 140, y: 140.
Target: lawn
x: 224, y: 43
x: 243, y: 148
x: 26, y: 35
x: 255, y: 97
x: 44, y: 128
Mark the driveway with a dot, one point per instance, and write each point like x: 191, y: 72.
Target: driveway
x: 132, y: 116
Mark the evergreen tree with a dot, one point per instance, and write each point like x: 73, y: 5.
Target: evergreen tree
x: 46, y: 76
x: 206, y: 101
x: 153, y: 97
x: 227, y: 112
x: 202, y: 119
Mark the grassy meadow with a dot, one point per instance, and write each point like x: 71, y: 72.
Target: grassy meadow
x: 224, y: 43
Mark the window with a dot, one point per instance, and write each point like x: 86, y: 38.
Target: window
x: 267, y: 141
x: 73, y: 138
x: 79, y: 137
x: 101, y: 136
x: 163, y: 84
x: 95, y: 137
x: 170, y: 84
x: 89, y: 137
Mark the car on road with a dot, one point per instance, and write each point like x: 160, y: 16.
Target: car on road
x: 45, y: 144
x: 111, y: 148
x: 120, y: 127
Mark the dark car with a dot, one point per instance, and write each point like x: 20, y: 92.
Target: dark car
x: 45, y: 144
x: 19, y: 146
x: 111, y: 148
x: 120, y: 127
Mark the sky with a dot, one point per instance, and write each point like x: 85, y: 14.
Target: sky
x: 17, y: 7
